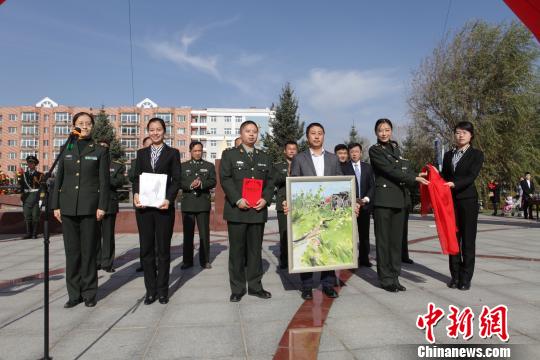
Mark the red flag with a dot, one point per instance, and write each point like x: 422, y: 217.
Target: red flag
x: 528, y: 12
x: 438, y: 197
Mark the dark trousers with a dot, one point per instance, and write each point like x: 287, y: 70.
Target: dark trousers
x: 245, y: 243
x: 405, y: 239
x: 80, y: 247
x: 105, y: 241
x: 363, y: 236
x: 527, y: 209
x: 31, y: 217
x: 203, y: 224
x: 388, y: 238
x: 283, y: 243
x: 155, y: 231
x: 462, y: 264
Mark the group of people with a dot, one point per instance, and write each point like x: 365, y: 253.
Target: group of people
x: 521, y: 204
x: 82, y: 197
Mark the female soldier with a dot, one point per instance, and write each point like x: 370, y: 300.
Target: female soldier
x: 80, y: 197
x: 156, y: 224
x: 461, y: 167
x: 392, y: 176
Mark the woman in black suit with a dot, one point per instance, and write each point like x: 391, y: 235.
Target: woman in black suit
x: 461, y: 167
x: 156, y: 224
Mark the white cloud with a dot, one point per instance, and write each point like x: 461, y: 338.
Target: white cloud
x: 326, y: 90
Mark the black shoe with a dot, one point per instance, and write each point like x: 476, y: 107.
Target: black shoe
x: 72, y: 303
x: 307, y: 294
x: 163, y: 299
x: 407, y: 261
x: 139, y: 269
x: 109, y: 269
x: 185, y: 266
x: 207, y: 266
x: 237, y: 297
x: 464, y: 286
x: 365, y: 264
x: 400, y: 287
x: 149, y: 299
x: 90, y: 302
x: 390, y: 288
x: 263, y: 294
x: 330, y: 292
x: 452, y: 284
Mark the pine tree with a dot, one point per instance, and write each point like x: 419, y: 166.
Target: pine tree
x: 104, y: 131
x: 286, y: 126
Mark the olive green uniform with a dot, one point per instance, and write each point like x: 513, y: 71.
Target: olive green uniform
x: 195, y: 207
x: 81, y: 187
x: 392, y: 176
x: 105, y: 237
x: 280, y: 173
x: 245, y: 227
x: 30, y: 196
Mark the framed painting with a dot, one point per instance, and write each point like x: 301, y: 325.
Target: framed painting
x: 321, y: 223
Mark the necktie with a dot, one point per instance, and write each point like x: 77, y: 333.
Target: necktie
x: 357, y: 173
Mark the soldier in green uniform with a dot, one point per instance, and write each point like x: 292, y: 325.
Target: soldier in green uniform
x: 80, y: 199
x: 392, y: 175
x: 281, y: 170
x: 29, y: 183
x: 198, y: 177
x: 245, y: 221
x: 105, y: 230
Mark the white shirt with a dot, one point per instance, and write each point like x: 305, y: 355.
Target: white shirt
x: 318, y: 162
x: 354, y: 164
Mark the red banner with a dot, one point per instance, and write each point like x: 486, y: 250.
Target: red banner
x: 528, y: 11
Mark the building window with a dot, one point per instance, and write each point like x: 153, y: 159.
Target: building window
x: 130, y: 155
x: 29, y: 143
x: 45, y: 142
x: 129, y: 118
x: 181, y: 131
x: 181, y: 142
x: 45, y: 156
x: 213, y: 155
x: 45, y: 168
x: 238, y: 119
x: 129, y: 131
x: 213, y: 131
x: 227, y: 119
x: 12, y: 130
x: 181, y: 118
x: 238, y: 131
x: 12, y: 117
x: 213, y: 143
x: 229, y: 143
x: 213, y: 119
x: 167, y: 117
x: 12, y: 168
x: 112, y: 118
x: 29, y: 116
x: 204, y: 155
x: 29, y: 130
x: 12, y: 142
x: 146, y: 118
x: 25, y: 154
x: 168, y: 129
x: 12, y: 156
x: 1, y: 118
x: 228, y: 131
x: 58, y: 142
x: 46, y: 117
x: 130, y: 143
x: 45, y: 130
x: 61, y: 130
x: 202, y: 131
x: 61, y: 117
x: 182, y: 155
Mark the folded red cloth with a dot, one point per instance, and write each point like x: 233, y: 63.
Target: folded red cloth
x: 252, y: 191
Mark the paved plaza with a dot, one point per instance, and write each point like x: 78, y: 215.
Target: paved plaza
x: 199, y: 322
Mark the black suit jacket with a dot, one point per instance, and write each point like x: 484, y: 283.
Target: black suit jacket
x: 527, y: 190
x: 466, y: 172
x: 168, y: 163
x: 367, y: 181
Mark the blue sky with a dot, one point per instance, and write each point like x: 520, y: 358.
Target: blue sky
x: 347, y: 60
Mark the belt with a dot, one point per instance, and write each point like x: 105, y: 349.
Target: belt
x: 30, y: 190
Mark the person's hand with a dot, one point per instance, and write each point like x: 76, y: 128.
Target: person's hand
x: 357, y: 209
x: 136, y: 201
x: 100, y: 214
x: 58, y: 215
x: 450, y: 184
x: 196, y: 183
x: 285, y: 207
x: 243, y: 204
x: 423, y: 174
x: 260, y: 204
x: 421, y: 180
x: 164, y: 205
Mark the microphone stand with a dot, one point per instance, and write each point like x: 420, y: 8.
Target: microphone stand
x: 46, y: 235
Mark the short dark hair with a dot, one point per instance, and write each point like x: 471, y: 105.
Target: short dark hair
x: 340, y: 147
x: 465, y: 125
x: 290, y: 142
x: 159, y: 120
x: 82, y: 113
x: 195, y: 143
x: 353, y: 145
x: 248, y: 122
x: 383, y: 121
x: 312, y: 125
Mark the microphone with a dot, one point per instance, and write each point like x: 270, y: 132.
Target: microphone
x: 73, y: 136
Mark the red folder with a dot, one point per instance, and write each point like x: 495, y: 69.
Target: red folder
x: 252, y: 191
x: 438, y: 197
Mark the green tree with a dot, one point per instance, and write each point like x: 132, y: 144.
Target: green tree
x: 104, y: 131
x: 286, y: 126
x: 489, y: 75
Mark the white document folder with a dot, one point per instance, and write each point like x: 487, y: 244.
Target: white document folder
x: 152, y: 189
